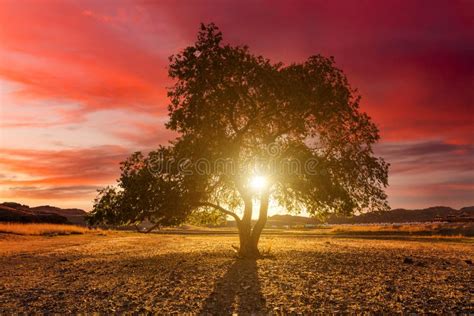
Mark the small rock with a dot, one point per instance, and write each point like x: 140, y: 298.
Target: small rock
x: 468, y: 261
x: 408, y: 260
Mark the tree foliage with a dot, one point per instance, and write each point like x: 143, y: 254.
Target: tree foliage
x: 142, y: 195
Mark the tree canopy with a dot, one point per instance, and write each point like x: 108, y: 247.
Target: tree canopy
x: 238, y: 116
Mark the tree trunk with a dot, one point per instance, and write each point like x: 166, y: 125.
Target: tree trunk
x: 245, y: 232
x: 249, y: 237
x: 248, y: 249
x: 262, y: 219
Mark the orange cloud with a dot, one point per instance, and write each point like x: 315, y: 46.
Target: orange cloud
x: 95, y: 72
x: 73, y: 57
x: 88, y: 166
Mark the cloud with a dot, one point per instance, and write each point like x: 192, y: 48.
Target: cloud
x: 55, y: 192
x: 75, y: 58
x: 420, y: 195
x: 72, y: 167
x: 418, y: 157
x: 67, y: 178
x: 427, y: 173
x: 94, y: 74
x: 144, y: 135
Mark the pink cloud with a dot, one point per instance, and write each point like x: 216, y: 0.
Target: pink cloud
x: 70, y: 60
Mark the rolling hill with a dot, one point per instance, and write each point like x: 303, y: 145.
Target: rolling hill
x: 404, y: 216
x: 16, y: 212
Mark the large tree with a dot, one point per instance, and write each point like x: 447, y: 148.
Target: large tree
x: 255, y: 134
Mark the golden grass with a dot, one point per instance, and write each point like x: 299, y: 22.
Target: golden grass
x: 386, y: 228
x: 434, y: 229
x: 36, y: 229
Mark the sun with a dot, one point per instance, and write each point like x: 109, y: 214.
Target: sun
x: 258, y: 182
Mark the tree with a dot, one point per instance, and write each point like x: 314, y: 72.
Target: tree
x: 255, y: 134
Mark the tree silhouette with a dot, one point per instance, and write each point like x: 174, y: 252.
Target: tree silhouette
x: 252, y: 135
x: 141, y: 195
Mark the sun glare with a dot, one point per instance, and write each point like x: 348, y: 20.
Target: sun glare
x: 258, y: 182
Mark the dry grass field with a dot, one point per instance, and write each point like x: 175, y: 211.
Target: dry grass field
x: 41, y: 229
x: 171, y: 273
x: 423, y: 229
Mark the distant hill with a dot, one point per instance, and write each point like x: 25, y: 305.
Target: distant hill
x: 15, y: 212
x: 8, y: 214
x: 467, y: 209
x: 392, y: 216
x: 404, y: 216
x: 290, y: 220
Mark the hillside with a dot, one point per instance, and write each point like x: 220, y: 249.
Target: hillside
x: 404, y: 216
x: 393, y: 216
x: 15, y: 212
x: 290, y: 220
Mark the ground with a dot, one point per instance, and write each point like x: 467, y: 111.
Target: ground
x: 178, y: 273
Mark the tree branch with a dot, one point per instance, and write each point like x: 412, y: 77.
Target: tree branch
x: 152, y: 228
x: 220, y: 208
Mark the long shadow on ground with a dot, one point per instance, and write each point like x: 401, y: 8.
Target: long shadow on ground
x: 238, y: 291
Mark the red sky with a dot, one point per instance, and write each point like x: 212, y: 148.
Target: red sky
x: 83, y: 83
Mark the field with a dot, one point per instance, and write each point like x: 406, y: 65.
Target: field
x: 417, y: 229
x: 41, y: 229
x: 198, y: 273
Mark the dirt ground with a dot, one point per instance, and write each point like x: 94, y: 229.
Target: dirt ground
x: 131, y: 272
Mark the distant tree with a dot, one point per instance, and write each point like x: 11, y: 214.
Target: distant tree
x: 255, y: 134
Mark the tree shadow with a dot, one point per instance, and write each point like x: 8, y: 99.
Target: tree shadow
x: 238, y: 291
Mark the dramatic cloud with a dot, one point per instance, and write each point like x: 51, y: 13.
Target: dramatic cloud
x: 42, y: 175
x: 83, y: 166
x: 430, y: 173
x: 66, y: 192
x: 430, y: 155
x: 82, y: 84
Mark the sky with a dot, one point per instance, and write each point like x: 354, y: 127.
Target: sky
x: 83, y: 84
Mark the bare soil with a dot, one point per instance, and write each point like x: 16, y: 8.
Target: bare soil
x: 199, y: 274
